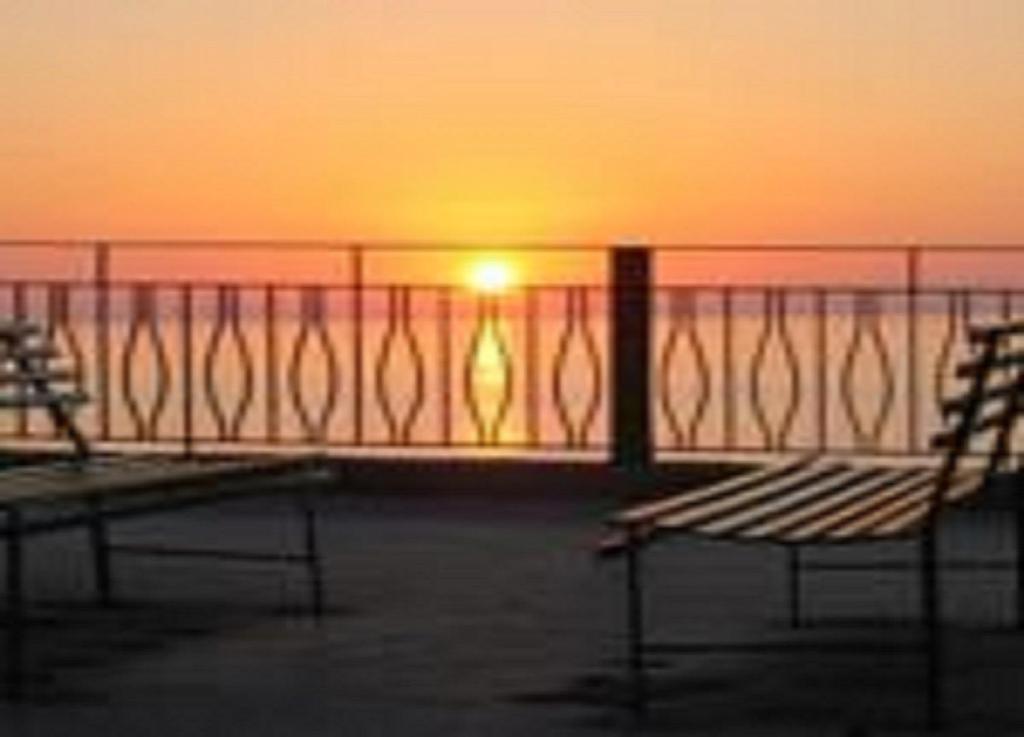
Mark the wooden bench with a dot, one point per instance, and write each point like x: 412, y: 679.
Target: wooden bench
x: 89, y: 490
x: 830, y: 500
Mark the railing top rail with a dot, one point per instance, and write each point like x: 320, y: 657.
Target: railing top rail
x: 311, y: 245
x: 539, y: 246
x: 839, y: 247
x: 380, y: 287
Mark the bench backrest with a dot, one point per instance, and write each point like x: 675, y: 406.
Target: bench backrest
x: 30, y: 378
x: 982, y: 419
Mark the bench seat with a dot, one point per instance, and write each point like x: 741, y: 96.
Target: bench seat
x: 113, y: 477
x: 88, y: 489
x: 814, y: 500
x: 843, y: 500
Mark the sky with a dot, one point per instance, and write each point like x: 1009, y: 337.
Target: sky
x: 526, y: 120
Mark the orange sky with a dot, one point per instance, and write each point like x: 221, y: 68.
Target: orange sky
x: 479, y: 120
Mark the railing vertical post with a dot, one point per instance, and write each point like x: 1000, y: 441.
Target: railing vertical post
x: 444, y: 339
x: 20, y: 308
x: 728, y: 371
x: 187, y: 378
x: 101, y: 305
x: 532, y: 380
x: 913, y: 266
x: 357, y: 280
x: 821, y: 349
x: 631, y: 329
x: 273, y: 408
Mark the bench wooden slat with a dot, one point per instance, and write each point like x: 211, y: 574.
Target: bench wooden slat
x: 991, y: 421
x: 25, y: 352
x: 781, y: 525
x: 42, y: 482
x: 649, y: 511
x: 963, y: 402
x: 907, y: 516
x: 34, y: 375
x: 980, y: 426
x: 112, y: 477
x: 643, y: 521
x: 866, y: 525
x: 843, y: 504
x: 1006, y: 360
x: 33, y: 477
x: 911, y: 520
x: 871, y: 498
x: 899, y: 516
x: 30, y: 400
x: 18, y: 329
x: 707, y: 510
x: 733, y: 522
x: 983, y: 333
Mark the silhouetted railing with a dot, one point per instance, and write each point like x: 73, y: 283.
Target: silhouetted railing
x: 356, y: 362
x: 773, y: 368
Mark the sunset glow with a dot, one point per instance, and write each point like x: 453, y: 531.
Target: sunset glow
x: 494, y: 122
x: 492, y: 277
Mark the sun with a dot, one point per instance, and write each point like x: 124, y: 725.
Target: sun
x: 492, y: 276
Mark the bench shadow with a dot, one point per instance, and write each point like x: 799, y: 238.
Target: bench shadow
x: 773, y: 689
x: 74, y: 645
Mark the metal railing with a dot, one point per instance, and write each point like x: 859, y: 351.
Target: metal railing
x: 355, y: 361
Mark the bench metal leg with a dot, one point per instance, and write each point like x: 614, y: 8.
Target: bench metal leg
x: 311, y: 553
x: 1019, y: 563
x: 931, y: 614
x: 15, y: 606
x: 635, y: 624
x: 793, y: 555
x: 100, y: 543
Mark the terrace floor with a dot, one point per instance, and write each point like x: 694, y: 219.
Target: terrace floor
x: 459, y: 615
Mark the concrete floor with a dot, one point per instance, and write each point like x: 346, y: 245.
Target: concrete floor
x: 454, y: 615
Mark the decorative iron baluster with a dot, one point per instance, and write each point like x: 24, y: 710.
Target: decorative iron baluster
x: 967, y: 303
x: 444, y: 328
x: 913, y: 393
x: 757, y: 363
x: 955, y: 307
x: 593, y: 404
x: 487, y: 356
x: 144, y: 325
x: 227, y: 329
x: 60, y: 331
x: 728, y: 371
x: 272, y: 365
x: 796, y: 382
x: 775, y: 325
x: 20, y: 310
x: 103, y: 348
x: 313, y: 328
x: 188, y: 403
x: 7, y: 418
x: 532, y: 382
x: 358, y: 286
x: 683, y: 321
x: 399, y: 333
x: 866, y: 333
x: 821, y: 350
x: 576, y: 331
